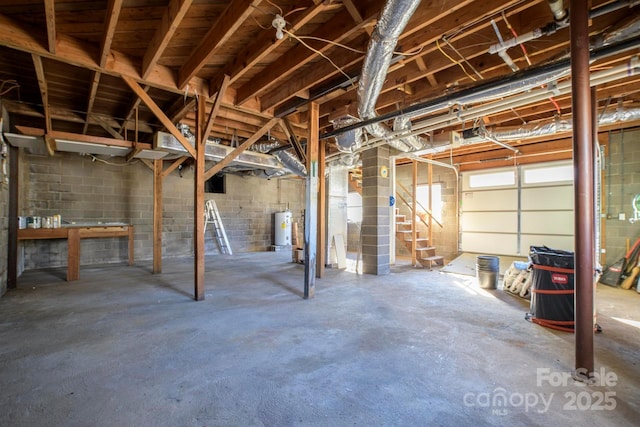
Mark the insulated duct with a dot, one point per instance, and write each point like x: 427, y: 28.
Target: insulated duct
x: 554, y: 126
x: 347, y: 142
x: 291, y: 162
x: 392, y: 21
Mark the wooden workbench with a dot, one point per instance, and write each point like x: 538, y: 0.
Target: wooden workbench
x: 73, y: 234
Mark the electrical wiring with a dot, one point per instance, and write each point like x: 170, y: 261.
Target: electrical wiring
x: 276, y: 6
x: 454, y: 61
x: 258, y: 24
x: 14, y: 85
x: 96, y: 159
x: 513, y: 31
x: 290, y: 34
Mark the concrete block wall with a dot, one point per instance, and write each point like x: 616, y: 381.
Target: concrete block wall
x: 445, y: 238
x: 621, y: 183
x: 81, y: 189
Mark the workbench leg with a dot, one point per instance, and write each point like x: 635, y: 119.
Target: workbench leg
x: 131, y: 257
x: 73, y: 255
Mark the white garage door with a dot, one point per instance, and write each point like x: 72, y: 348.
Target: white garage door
x: 505, y: 211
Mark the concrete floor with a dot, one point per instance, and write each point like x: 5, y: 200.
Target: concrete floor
x: 122, y: 347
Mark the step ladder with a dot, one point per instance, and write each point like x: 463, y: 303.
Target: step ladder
x: 212, y: 216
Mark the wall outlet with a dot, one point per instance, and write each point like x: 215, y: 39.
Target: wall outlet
x: 622, y: 216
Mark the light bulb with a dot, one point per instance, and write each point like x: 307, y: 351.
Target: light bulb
x: 279, y: 23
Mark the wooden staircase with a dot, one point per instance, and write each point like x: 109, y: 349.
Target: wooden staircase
x: 425, y: 253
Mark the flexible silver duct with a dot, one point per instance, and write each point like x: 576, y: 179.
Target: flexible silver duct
x: 347, y: 142
x: 555, y: 126
x: 628, y: 30
x: 392, y: 21
x: 265, y: 147
x: 291, y: 162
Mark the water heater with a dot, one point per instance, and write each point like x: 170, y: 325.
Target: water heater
x: 283, y: 228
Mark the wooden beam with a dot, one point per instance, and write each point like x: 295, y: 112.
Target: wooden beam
x: 173, y: 166
x: 198, y: 204
x: 229, y: 21
x: 215, y: 108
x: 111, y: 20
x: 73, y: 51
x: 180, y: 108
x: 44, y: 94
x: 235, y: 153
x: 106, y: 126
x: 50, y: 16
x: 157, y: 215
x: 90, y: 139
x: 95, y: 82
x: 311, y: 205
x: 166, y: 122
x: 171, y: 19
x: 297, y: 147
x: 263, y: 46
x: 338, y: 29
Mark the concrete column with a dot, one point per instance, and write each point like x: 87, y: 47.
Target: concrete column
x: 376, y: 189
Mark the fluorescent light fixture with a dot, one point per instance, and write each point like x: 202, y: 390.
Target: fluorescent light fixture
x: 24, y: 141
x: 90, y: 148
x: 150, y: 154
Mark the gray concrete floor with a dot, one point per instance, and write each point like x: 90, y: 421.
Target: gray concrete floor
x: 123, y: 347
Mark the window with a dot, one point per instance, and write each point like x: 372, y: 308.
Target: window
x: 548, y: 174
x: 354, y: 207
x: 215, y: 184
x: 493, y: 179
x: 422, y: 194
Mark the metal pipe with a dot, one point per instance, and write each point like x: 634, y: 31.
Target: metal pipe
x: 632, y: 67
x: 487, y: 85
x: 583, y: 189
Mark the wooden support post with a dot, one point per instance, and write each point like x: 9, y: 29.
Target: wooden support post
x: 414, y: 212
x: 322, y: 210
x: 12, y: 259
x: 158, y: 177
x: 198, y: 203
x: 311, y: 206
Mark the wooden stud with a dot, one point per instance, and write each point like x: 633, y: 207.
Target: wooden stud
x: 157, y: 215
x: 92, y: 98
x: 215, y: 108
x: 113, y: 12
x: 50, y: 15
x: 173, y: 15
x: 44, y: 93
x: 430, y: 182
x: 229, y: 21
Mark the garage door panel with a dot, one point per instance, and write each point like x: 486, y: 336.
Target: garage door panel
x: 552, y: 222
x: 501, y: 222
x: 494, y: 200
x: 556, y: 242
x: 547, y: 198
x: 500, y: 244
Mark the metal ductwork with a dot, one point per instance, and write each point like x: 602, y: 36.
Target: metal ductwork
x: 351, y: 141
x: 392, y: 21
x: 552, y: 127
x: 291, y: 162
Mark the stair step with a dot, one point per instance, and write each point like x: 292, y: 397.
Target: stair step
x: 419, y: 239
x: 430, y: 261
x: 428, y: 248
